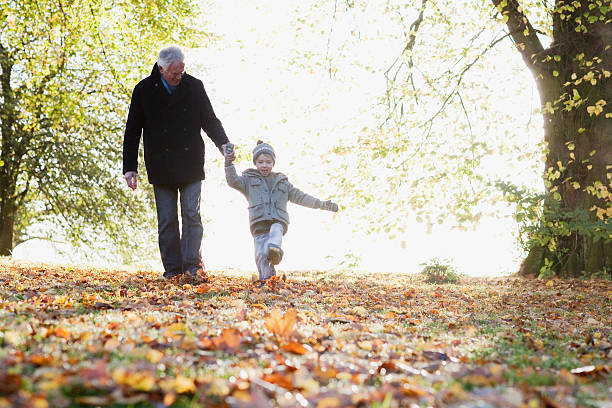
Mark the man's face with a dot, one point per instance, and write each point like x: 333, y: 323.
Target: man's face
x: 264, y: 164
x: 174, y: 73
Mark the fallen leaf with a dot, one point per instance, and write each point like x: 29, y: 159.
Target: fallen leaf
x: 154, y: 356
x: 282, y: 380
x: 281, y: 325
x: 295, y: 348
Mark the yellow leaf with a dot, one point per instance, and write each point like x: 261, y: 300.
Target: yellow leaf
x: 471, y: 331
x: 360, y: 311
x: 176, y: 327
x: 183, y: 384
x: 154, y: 356
x: 329, y: 402
x: 12, y: 338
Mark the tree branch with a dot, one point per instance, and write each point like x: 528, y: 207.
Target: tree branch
x: 412, y: 32
x: 524, y: 35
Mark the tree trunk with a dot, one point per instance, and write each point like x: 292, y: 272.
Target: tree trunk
x: 574, y: 82
x: 7, y: 224
x: 8, y: 175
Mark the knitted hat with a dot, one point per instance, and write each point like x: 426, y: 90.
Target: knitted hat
x: 263, y: 148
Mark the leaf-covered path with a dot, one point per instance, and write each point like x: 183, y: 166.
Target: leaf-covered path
x: 94, y: 337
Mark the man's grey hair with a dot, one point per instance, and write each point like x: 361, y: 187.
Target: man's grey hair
x: 169, y: 55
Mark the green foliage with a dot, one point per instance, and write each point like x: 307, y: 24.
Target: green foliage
x: 67, y: 70
x: 543, y: 222
x: 440, y: 271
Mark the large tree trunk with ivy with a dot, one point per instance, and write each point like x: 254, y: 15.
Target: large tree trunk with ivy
x: 573, y: 78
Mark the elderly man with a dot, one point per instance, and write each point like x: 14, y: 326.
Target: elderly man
x: 169, y: 108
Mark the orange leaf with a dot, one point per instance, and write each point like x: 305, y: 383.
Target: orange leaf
x: 111, y: 344
x: 282, y: 380
x: 169, y: 399
x: 258, y: 306
x: 281, y: 325
x: 231, y: 338
x: 203, y: 288
x: 40, y: 360
x: 295, y: 348
x: 61, y: 332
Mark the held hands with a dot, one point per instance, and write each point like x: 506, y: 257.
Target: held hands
x: 131, y: 178
x: 228, y: 153
x: 329, y: 206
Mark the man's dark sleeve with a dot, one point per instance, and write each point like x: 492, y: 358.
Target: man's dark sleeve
x: 133, y: 131
x: 209, y: 121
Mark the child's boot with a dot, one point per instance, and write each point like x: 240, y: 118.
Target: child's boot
x: 275, y: 254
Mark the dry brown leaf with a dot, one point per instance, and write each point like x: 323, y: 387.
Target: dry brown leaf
x: 281, y: 325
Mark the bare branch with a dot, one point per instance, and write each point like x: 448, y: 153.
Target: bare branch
x: 111, y: 65
x: 331, y: 30
x: 412, y: 32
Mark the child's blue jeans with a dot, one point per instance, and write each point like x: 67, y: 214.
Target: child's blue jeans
x: 262, y: 242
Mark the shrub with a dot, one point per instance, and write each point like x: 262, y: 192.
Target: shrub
x: 440, y: 271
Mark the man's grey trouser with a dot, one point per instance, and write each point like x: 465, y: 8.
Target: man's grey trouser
x: 262, y: 242
x: 180, y: 251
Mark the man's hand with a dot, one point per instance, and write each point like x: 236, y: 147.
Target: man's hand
x: 229, y: 158
x: 131, y: 178
x: 329, y: 206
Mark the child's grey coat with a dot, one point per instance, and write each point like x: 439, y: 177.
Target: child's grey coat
x: 264, y: 204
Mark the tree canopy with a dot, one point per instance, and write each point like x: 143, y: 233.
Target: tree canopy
x: 67, y: 69
x: 450, y: 142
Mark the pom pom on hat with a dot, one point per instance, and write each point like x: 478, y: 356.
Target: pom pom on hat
x: 263, y: 148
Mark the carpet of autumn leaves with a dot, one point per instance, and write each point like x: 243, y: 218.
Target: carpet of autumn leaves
x: 79, y: 336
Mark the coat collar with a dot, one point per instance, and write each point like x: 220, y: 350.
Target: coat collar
x: 278, y: 177
x: 179, y: 93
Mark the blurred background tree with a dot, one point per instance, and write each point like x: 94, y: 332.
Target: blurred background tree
x: 67, y: 69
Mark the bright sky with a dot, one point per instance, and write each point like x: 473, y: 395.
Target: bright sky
x: 257, y: 95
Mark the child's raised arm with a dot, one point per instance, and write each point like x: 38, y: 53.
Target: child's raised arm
x: 232, y: 178
x: 297, y: 196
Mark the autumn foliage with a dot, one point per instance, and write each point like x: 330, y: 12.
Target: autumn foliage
x: 96, y: 337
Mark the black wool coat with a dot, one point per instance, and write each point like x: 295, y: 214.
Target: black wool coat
x: 170, y: 126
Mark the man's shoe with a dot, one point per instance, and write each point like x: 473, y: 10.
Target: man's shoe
x: 189, y: 278
x: 170, y: 275
x: 275, y: 254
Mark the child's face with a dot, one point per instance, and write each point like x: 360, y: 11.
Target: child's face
x: 264, y: 164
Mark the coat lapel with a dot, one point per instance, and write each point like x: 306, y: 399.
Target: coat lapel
x: 179, y: 93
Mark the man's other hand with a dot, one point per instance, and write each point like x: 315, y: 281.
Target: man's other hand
x: 131, y: 178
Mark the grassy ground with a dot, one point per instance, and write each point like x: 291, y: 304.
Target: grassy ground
x: 92, y: 337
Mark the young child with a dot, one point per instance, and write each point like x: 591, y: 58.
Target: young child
x: 268, y: 193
